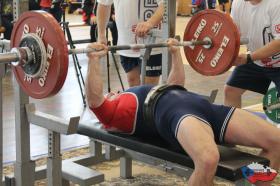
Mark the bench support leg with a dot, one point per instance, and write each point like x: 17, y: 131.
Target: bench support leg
x: 54, y: 164
x: 126, y: 167
x: 110, y: 152
x: 95, y: 148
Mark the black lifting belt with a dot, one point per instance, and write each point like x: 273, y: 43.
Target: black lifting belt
x: 152, y: 98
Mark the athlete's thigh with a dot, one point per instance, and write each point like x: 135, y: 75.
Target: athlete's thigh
x: 154, y: 66
x: 129, y: 63
x: 247, y: 129
x: 195, y: 136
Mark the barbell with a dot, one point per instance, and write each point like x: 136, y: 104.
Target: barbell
x: 39, y: 53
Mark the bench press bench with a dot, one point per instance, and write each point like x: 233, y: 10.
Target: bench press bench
x: 151, y: 151
x: 117, y: 146
x: 229, y: 167
x: 154, y: 152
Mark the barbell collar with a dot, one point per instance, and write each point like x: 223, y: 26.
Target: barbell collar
x: 17, y: 56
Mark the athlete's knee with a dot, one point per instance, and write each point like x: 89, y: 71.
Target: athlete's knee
x: 272, y: 143
x: 208, y: 160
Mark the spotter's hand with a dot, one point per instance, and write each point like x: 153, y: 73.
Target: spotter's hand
x: 143, y: 28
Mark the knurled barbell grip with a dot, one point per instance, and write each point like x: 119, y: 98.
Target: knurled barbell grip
x: 138, y: 46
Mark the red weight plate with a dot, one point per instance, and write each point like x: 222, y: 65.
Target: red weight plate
x: 225, y: 38
x: 46, y: 27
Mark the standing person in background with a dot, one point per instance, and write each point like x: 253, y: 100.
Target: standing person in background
x: 225, y: 5
x: 200, y: 5
x: 6, y: 12
x: 134, y: 19
x: 34, y: 4
x: 259, y: 21
x: 89, y: 17
x: 113, y: 26
x: 53, y: 7
x: 56, y: 9
x: 46, y: 5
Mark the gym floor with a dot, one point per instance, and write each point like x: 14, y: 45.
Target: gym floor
x: 68, y: 102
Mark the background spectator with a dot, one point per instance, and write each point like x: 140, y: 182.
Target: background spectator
x: 225, y: 5
x: 89, y: 16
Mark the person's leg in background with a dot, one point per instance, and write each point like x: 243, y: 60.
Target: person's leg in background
x: 56, y: 11
x: 45, y: 5
x: 221, y: 5
x: 114, y: 33
x: 6, y: 12
x: 113, y: 27
x: 212, y: 4
x: 131, y: 66
x: 93, y: 32
x: 227, y: 6
x: 233, y: 96
x: 34, y: 5
x: 244, y: 77
x: 153, y: 69
x: 7, y: 23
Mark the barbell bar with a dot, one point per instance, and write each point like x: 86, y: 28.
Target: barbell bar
x: 206, y: 43
x: 17, y: 54
x: 20, y: 53
x: 40, y: 53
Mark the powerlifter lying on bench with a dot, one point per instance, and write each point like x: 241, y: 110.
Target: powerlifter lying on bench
x: 182, y: 118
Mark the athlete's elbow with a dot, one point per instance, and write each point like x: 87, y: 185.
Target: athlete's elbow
x: 94, y: 101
